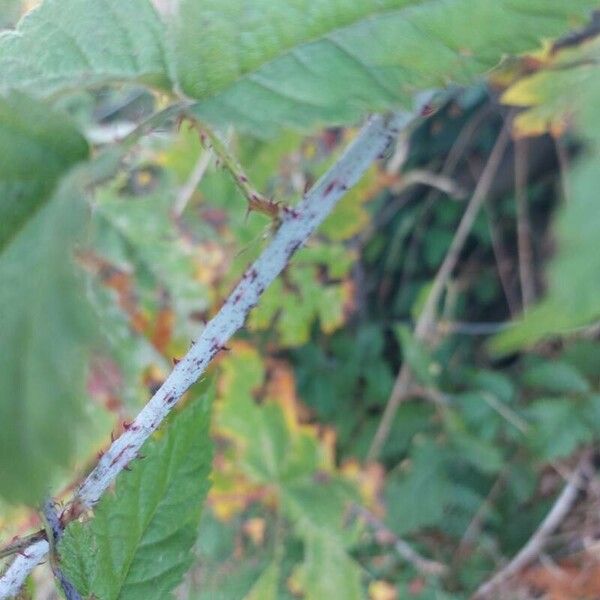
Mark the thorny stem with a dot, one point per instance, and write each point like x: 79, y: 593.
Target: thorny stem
x: 173, y: 111
x: 297, y: 224
x: 256, y: 201
x: 193, y: 181
x: 20, y: 544
x: 427, y: 318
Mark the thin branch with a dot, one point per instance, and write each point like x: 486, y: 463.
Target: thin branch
x: 538, y: 540
x: 297, y: 224
x: 503, y: 262
x: 427, y: 318
x: 256, y: 201
x: 14, y: 577
x: 187, y: 190
x: 171, y: 112
x: 442, y: 183
x: 477, y: 328
x: 474, y: 527
x: 402, y: 547
x: 404, y: 181
x: 20, y: 544
x: 526, y: 273
x: 459, y: 147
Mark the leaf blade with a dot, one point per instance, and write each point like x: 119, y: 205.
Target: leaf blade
x: 140, y: 539
x: 44, y: 326
x: 86, y: 44
x: 363, y: 56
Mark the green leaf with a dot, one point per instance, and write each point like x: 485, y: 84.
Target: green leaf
x: 273, y: 449
x: 265, y: 587
x: 559, y: 426
x: 44, y: 325
x: 138, y: 233
x: 299, y: 62
x: 69, y: 44
x: 422, y: 495
x: 295, y: 306
x: 416, y: 355
x: 139, y: 542
x: 555, y: 376
x: 328, y: 571
x: 263, y: 434
x: 36, y: 148
x: 316, y: 509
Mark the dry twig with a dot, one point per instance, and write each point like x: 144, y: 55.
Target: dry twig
x: 537, y: 541
x: 427, y: 317
x: 526, y: 273
x: 424, y: 565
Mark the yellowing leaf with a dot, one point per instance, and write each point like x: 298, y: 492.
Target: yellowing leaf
x: 549, y: 92
x: 255, y: 529
x: 382, y: 590
x: 295, y: 302
x: 350, y: 216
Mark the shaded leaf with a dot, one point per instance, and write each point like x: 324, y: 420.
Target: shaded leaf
x: 559, y: 426
x: 265, y: 587
x: 36, y: 148
x: 555, y: 376
x: 416, y: 355
x: 423, y: 495
x: 328, y: 571
x: 44, y: 323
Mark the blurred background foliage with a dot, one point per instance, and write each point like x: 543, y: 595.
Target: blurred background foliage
x: 301, y: 504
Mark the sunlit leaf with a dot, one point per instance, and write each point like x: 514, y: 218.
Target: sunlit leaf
x: 302, y: 63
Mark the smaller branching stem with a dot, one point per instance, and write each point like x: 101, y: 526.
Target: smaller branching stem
x: 257, y: 202
x: 20, y: 544
x: 424, y: 565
